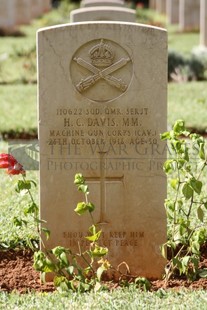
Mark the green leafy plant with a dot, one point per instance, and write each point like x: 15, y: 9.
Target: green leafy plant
x: 80, y: 271
x: 23, y: 187
x: 187, y: 206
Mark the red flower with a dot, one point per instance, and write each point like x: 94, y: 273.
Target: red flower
x: 12, y: 165
x: 7, y: 160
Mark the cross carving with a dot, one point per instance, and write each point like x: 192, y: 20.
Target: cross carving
x: 103, y: 180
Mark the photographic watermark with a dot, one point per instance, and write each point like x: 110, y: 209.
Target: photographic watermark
x: 25, y: 152
x: 75, y: 158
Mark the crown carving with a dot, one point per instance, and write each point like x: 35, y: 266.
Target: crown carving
x: 101, y: 55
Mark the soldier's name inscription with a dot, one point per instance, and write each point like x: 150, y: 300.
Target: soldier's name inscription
x: 103, y: 125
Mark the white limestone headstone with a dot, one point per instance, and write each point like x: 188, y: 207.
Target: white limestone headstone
x: 102, y: 106
x: 36, y: 8
x: 23, y: 11
x: 203, y: 23
x: 103, y: 13
x: 47, y: 5
x: 152, y: 4
x: 172, y: 9
x: 89, y: 3
x: 161, y: 6
x: 7, y: 14
x: 189, y: 14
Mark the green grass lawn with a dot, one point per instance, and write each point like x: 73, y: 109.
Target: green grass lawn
x: 188, y: 101
x: 182, y: 42
x: 18, y: 107
x: 119, y: 299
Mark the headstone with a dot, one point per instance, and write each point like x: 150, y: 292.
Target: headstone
x: 23, y: 11
x: 152, y: 4
x: 36, y: 8
x: 203, y: 23
x: 102, y: 107
x: 103, y: 13
x: 172, y: 11
x: 189, y: 14
x: 7, y: 14
x: 161, y: 6
x: 47, y: 6
x: 86, y: 3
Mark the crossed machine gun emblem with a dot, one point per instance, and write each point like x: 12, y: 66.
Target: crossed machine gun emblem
x: 101, y: 74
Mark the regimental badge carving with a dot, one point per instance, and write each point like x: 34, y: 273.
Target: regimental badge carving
x: 101, y: 70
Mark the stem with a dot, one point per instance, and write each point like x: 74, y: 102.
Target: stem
x: 33, y: 201
x: 83, y: 257
x: 203, y: 167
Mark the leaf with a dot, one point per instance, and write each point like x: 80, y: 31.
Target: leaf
x: 94, y: 237
x: 70, y: 270
x: 83, y: 188
x: 202, y: 151
x: 81, y: 208
x: 187, y: 191
x: 49, y: 266
x: 46, y: 232
x: 61, y: 282
x: 165, y: 135
x: 181, y: 163
x: 185, y: 262
x: 79, y: 179
x: 202, y: 273
x: 64, y: 259
x: 90, y: 207
x: 195, y: 247
x: 100, y: 271
x: 177, y: 263
x: 164, y: 251
x: 99, y: 251
x: 177, y: 146
x: 179, y: 127
x: 33, y: 208
x: 200, y: 213
x: 174, y: 183
x: 19, y: 222
x: 168, y: 167
x: 57, y: 251
x: 23, y: 185
x: 143, y: 283
x: 196, y: 185
x: 92, y: 229
x: 186, y: 155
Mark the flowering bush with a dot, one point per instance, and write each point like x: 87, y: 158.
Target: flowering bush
x: 13, y: 167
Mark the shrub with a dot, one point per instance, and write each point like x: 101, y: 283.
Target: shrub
x: 184, y: 69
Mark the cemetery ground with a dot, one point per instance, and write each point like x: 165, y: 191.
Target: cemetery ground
x: 18, y: 120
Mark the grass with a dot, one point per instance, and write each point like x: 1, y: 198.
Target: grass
x: 127, y: 298
x: 18, y: 107
x: 182, y: 42
x: 188, y: 101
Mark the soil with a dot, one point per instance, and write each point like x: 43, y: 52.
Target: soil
x: 17, y: 274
